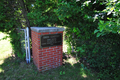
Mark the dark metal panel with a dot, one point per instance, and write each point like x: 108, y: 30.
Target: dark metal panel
x: 50, y: 40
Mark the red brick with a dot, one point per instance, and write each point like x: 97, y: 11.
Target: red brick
x: 53, y: 47
x: 49, y: 56
x: 39, y: 33
x: 48, y: 59
x: 53, y: 51
x: 53, y: 32
x: 44, y: 33
x: 45, y: 53
x: 60, y: 32
x: 50, y: 49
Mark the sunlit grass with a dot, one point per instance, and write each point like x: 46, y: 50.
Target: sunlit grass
x: 71, y: 61
x: 1, y: 70
x: 5, y: 48
x: 1, y: 61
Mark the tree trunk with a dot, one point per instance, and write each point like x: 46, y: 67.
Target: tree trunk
x: 24, y: 12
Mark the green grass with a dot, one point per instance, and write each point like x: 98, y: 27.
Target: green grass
x: 5, y: 48
x: 14, y: 69
x: 5, y: 45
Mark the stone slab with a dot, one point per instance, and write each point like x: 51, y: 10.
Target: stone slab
x: 46, y: 29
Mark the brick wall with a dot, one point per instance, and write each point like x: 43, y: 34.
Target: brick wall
x: 45, y: 58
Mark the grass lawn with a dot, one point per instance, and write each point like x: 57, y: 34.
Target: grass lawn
x: 14, y: 69
x: 5, y: 48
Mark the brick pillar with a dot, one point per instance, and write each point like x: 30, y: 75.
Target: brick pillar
x: 48, y: 57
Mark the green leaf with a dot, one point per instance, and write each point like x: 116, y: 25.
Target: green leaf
x: 101, y: 22
x: 109, y: 18
x: 101, y: 29
x: 96, y: 31
x: 63, y: 72
x: 60, y: 72
x: 98, y: 34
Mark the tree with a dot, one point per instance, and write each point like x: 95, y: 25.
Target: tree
x: 112, y: 22
x: 12, y: 15
x: 42, y: 13
x: 18, y: 14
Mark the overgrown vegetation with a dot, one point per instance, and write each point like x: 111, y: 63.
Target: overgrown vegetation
x: 112, y: 22
x: 101, y: 52
x: 83, y: 18
x: 9, y: 22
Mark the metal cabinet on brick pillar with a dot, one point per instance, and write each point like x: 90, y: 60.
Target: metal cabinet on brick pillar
x: 47, y: 47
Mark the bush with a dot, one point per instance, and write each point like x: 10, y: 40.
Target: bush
x: 102, y: 53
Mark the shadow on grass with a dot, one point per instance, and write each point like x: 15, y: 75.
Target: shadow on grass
x: 14, y: 69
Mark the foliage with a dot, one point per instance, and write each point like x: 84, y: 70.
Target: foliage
x: 112, y: 22
x: 8, y: 23
x: 13, y: 17
x: 80, y: 18
x: 42, y: 14
x: 104, y: 57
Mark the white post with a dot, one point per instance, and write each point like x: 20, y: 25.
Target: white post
x: 28, y: 45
